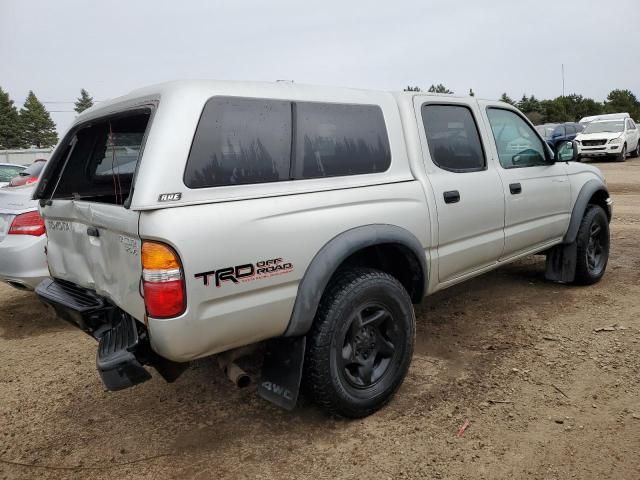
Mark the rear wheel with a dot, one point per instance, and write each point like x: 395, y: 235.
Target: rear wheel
x: 636, y: 152
x: 360, y: 346
x: 593, y: 246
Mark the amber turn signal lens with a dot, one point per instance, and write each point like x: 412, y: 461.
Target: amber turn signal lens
x: 156, y: 256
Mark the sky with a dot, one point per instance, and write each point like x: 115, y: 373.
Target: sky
x: 55, y: 48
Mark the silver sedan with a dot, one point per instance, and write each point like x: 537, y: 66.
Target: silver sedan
x: 23, y: 262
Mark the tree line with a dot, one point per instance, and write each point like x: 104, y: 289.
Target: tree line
x: 568, y: 108
x: 31, y: 126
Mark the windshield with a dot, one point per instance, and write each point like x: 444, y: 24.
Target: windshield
x: 7, y: 172
x: 613, y: 126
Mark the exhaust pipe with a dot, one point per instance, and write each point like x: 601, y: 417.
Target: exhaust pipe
x: 237, y: 375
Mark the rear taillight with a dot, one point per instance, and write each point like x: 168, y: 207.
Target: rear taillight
x: 162, y: 281
x: 20, y: 181
x: 28, y: 224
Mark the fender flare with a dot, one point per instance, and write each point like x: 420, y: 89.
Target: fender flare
x: 586, y: 192
x: 331, y: 256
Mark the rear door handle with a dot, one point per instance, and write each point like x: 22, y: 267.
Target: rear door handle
x: 452, y: 196
x: 515, y: 188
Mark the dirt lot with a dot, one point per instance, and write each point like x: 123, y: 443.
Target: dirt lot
x: 546, y: 395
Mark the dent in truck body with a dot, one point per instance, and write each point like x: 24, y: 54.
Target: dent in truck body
x: 108, y: 264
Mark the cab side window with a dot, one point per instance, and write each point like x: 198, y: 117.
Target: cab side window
x: 517, y: 143
x: 453, y: 138
x: 631, y: 125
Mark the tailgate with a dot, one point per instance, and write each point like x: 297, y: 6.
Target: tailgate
x: 96, y: 246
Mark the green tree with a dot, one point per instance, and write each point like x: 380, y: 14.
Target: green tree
x: 84, y: 101
x: 552, y: 111
x: 507, y: 99
x: 10, y: 134
x: 529, y: 104
x: 440, y: 88
x: 409, y: 88
x: 622, y: 101
x: 37, y: 127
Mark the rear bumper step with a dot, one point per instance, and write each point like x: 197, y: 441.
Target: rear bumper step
x: 123, y: 347
x: 116, y: 360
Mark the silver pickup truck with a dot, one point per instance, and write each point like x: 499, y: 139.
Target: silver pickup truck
x: 196, y: 218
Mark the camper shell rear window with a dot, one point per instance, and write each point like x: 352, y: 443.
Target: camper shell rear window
x: 99, y: 160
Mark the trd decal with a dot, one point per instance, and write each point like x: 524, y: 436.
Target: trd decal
x: 247, y: 272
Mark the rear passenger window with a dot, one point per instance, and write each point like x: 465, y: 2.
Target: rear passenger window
x: 339, y: 139
x: 240, y: 141
x: 453, y: 138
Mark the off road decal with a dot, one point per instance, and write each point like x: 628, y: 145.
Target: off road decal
x: 247, y: 272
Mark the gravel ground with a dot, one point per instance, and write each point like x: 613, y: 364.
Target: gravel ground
x: 546, y: 396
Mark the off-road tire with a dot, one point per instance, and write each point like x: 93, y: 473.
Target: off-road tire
x: 588, y: 269
x: 326, y: 380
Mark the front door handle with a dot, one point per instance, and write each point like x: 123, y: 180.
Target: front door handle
x: 93, y: 232
x: 515, y: 188
x: 452, y: 196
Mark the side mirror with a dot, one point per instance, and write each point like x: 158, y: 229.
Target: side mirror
x: 567, y: 152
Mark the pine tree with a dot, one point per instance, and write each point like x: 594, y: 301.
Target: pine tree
x: 84, y: 101
x: 507, y: 99
x: 412, y: 89
x: 440, y: 88
x: 37, y: 127
x: 10, y: 135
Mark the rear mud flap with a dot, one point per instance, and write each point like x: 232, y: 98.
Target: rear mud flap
x: 282, y: 371
x: 561, y: 263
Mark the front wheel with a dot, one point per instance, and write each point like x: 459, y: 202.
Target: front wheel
x: 593, y: 246
x: 623, y: 154
x: 361, y: 343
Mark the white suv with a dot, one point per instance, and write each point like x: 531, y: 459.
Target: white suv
x: 616, y: 138
x: 198, y: 218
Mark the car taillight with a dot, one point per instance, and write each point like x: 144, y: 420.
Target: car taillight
x: 162, y: 281
x: 28, y: 224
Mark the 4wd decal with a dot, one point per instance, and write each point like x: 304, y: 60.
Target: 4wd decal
x: 247, y: 272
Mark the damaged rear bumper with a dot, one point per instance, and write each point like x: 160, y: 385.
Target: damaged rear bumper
x: 123, y: 346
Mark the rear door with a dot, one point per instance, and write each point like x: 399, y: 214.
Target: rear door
x: 468, y: 191
x: 93, y: 238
